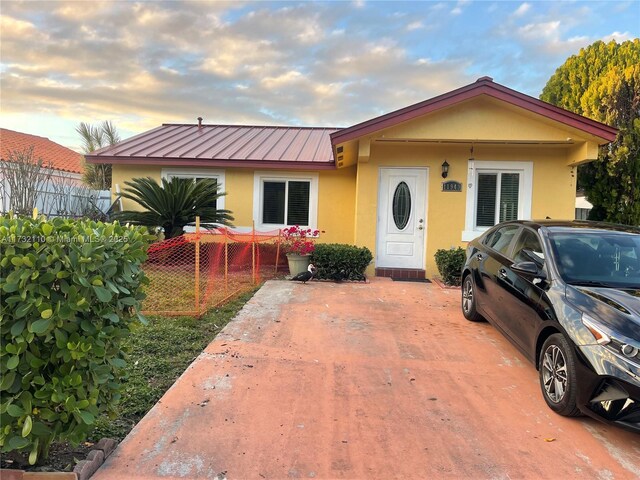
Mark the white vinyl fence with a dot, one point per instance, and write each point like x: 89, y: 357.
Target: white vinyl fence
x: 56, y: 194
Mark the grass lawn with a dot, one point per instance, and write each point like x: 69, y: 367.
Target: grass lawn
x: 158, y: 354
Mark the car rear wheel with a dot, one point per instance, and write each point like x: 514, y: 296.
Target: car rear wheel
x: 469, y: 309
x: 558, y: 375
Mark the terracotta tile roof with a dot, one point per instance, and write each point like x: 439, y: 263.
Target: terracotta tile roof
x: 61, y: 158
x: 482, y: 86
x: 224, y: 145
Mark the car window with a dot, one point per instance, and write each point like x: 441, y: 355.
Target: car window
x: 528, y: 248
x: 488, y: 237
x: 610, y: 258
x: 501, y: 238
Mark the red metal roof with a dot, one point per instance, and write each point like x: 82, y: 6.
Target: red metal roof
x: 482, y: 86
x: 224, y: 145
x: 61, y: 158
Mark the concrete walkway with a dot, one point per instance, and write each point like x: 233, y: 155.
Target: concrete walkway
x: 363, y: 381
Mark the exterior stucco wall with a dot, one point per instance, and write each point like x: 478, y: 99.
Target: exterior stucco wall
x: 553, y: 182
x: 336, y: 197
x: 553, y: 192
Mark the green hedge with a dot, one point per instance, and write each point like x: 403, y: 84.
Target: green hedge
x: 71, y: 290
x: 336, y: 261
x: 450, y: 263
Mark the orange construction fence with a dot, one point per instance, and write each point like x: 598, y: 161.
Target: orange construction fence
x: 197, y: 271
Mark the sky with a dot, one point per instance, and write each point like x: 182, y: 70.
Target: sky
x: 142, y: 64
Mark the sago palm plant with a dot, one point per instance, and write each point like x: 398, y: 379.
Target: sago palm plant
x: 174, y: 204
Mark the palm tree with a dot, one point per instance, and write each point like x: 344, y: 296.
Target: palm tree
x: 97, y: 175
x: 173, y: 204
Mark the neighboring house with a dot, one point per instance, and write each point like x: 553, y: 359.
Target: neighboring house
x: 63, y: 192
x: 380, y: 183
x: 583, y: 206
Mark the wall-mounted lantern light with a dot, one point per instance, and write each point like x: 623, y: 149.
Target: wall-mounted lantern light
x: 445, y: 169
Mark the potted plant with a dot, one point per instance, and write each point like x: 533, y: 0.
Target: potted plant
x: 298, y: 244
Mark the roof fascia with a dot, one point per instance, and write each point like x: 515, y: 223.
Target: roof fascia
x: 482, y: 87
x: 187, y: 162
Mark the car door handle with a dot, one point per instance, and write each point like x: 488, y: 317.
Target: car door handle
x: 479, y: 257
x: 503, y: 273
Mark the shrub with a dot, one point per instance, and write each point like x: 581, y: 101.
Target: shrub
x: 71, y: 290
x: 336, y: 261
x: 450, y: 263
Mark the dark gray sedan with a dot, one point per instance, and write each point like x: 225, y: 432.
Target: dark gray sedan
x: 567, y: 295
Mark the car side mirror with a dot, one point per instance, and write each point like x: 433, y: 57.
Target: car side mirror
x: 530, y: 270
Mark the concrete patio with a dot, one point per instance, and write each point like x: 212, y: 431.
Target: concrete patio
x: 377, y: 380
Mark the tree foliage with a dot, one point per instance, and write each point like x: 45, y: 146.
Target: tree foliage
x: 174, y: 204
x: 95, y: 137
x: 602, y: 82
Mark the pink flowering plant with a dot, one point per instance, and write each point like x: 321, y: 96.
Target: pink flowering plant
x: 299, y: 240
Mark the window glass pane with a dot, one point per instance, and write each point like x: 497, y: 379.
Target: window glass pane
x: 528, y: 248
x: 509, y: 186
x: 501, y: 240
x: 401, y: 205
x: 273, y: 202
x: 486, y: 201
x: 215, y: 180
x: 298, y: 203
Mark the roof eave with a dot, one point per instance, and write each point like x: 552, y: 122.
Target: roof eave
x: 480, y: 87
x: 212, y: 163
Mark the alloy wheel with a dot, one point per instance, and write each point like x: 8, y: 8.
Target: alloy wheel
x: 554, y: 373
x: 467, y: 296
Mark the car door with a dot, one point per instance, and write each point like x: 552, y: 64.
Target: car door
x: 522, y: 294
x: 494, y: 258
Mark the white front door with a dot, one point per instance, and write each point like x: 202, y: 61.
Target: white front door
x: 402, y: 204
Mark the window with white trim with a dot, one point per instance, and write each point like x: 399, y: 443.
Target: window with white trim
x: 196, y: 175
x: 497, y: 192
x: 285, y: 200
x: 496, y: 197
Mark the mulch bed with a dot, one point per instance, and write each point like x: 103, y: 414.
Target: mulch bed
x: 62, y: 458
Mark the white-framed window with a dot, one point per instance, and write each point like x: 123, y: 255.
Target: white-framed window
x: 496, y: 192
x: 218, y: 175
x: 285, y: 199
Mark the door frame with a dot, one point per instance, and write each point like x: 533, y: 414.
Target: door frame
x: 426, y: 213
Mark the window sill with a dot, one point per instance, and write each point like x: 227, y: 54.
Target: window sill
x: 468, y: 235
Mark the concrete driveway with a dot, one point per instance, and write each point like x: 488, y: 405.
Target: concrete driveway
x: 379, y: 380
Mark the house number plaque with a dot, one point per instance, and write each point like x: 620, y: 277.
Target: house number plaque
x: 451, y: 186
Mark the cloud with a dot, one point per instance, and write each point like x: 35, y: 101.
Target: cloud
x: 458, y: 9
x: 618, y: 37
x: 146, y: 63
x: 522, y: 10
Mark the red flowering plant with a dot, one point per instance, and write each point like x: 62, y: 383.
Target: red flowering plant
x: 298, y: 240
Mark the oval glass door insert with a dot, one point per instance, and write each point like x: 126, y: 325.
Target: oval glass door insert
x: 401, y: 205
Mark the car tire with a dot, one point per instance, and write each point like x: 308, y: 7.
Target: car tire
x: 557, y: 372
x: 469, y: 304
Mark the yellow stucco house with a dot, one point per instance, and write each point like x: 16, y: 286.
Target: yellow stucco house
x: 432, y: 175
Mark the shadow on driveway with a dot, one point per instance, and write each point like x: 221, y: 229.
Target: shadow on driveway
x: 379, y: 380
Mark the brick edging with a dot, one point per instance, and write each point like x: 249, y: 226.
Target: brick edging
x: 95, y: 458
